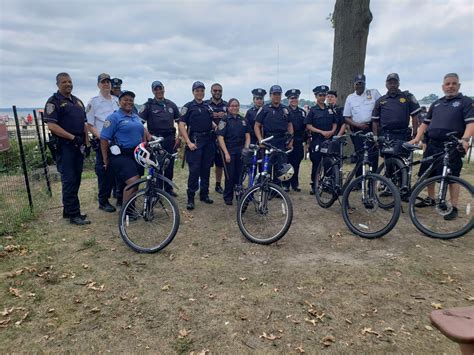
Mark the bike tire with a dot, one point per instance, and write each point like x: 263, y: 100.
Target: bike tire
x: 426, y: 231
x: 167, y: 240
x: 246, y: 200
x: 325, y: 181
x: 346, y: 208
x: 400, y: 179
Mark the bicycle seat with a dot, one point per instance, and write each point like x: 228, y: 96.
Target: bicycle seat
x: 410, y: 147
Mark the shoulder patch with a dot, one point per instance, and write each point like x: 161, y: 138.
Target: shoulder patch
x: 107, y: 123
x: 244, y: 122
x: 183, y: 111
x: 50, y: 108
x: 79, y: 103
x: 89, y: 106
x: 142, y: 108
x: 222, y: 125
x: 285, y: 111
x: 170, y: 109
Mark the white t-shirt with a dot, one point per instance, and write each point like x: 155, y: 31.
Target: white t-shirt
x: 360, y: 107
x: 99, y: 108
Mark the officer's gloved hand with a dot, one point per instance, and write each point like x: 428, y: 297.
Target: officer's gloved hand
x: 78, y: 141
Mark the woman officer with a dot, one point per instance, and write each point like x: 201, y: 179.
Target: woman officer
x: 233, y: 134
x: 123, y: 131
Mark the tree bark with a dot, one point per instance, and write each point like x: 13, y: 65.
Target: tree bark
x: 351, y: 20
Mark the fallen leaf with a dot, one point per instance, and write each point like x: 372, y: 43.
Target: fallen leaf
x: 183, y: 333
x: 270, y: 336
x: 85, y: 266
x: 4, y: 323
x: 165, y: 288
x: 95, y: 310
x: 18, y: 323
x: 389, y: 330
x: 437, y: 305
x: 211, y: 296
x: 15, y: 292
x: 470, y: 298
x: 242, y: 278
x: 183, y: 316
x: 348, y: 321
x: 427, y: 327
x: 171, y: 257
x: 300, y: 349
x: 91, y: 286
x: 328, y: 340
x: 312, y: 321
x: 369, y: 331
x: 51, y: 310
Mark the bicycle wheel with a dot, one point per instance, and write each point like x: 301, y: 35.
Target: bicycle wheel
x: 396, y: 173
x: 264, y: 213
x: 365, y: 211
x: 149, y: 221
x: 433, y: 219
x: 327, y: 176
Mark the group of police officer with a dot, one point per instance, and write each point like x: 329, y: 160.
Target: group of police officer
x: 215, y: 133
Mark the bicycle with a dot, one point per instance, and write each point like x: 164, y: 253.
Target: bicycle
x: 264, y: 209
x: 433, y: 225
x: 366, y: 212
x: 149, y: 220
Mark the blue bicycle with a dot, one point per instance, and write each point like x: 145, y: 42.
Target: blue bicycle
x: 264, y: 210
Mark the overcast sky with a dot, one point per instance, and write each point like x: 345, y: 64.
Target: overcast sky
x: 233, y: 42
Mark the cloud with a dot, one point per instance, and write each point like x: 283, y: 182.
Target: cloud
x: 241, y: 44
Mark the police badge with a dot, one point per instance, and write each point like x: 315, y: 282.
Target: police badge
x: 403, y: 100
x: 107, y: 123
x: 50, y: 108
x: 369, y: 94
x: 456, y: 104
x: 221, y: 125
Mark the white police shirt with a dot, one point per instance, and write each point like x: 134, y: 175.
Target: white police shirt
x: 360, y: 107
x: 99, y: 108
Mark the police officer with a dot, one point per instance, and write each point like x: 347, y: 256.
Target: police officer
x: 358, y: 117
x: 297, y: 116
x: 116, y: 89
x: 258, y: 100
x: 392, y: 111
x: 233, y: 134
x: 98, y: 109
x: 196, y: 126
x: 122, y: 132
x: 321, y: 122
x: 331, y: 101
x: 66, y: 118
x: 160, y: 115
x: 219, y: 111
x: 453, y: 112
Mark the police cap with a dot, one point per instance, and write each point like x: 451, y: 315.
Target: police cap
x: 197, y: 85
x: 259, y: 92
x: 321, y: 89
x: 292, y: 93
x: 103, y: 76
x: 156, y: 84
x: 393, y: 76
x: 332, y: 92
x: 126, y: 93
x: 359, y: 78
x: 116, y: 82
x: 276, y: 89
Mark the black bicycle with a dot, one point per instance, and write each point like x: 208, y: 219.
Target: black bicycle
x: 264, y: 210
x: 431, y: 211
x: 149, y: 220
x: 367, y: 211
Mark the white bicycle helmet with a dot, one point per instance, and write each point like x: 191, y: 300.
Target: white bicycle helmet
x: 285, y: 172
x: 142, y: 156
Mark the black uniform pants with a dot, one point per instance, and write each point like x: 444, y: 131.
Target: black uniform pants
x: 168, y: 144
x: 234, y: 169
x: 359, y: 148
x: 105, y: 178
x: 294, y: 158
x: 200, y: 162
x: 70, y: 161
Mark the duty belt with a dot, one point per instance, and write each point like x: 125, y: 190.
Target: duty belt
x: 201, y: 134
x: 275, y: 134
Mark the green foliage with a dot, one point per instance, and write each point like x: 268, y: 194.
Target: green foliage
x: 10, y: 160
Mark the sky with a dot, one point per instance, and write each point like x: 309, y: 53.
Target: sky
x: 240, y: 44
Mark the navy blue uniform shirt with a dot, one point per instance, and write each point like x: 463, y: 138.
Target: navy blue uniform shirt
x: 197, y: 116
x: 219, y: 107
x: 339, y: 117
x: 125, y: 130
x: 448, y: 115
x: 320, y: 118
x: 273, y: 119
x: 233, y: 130
x: 393, y: 111
x: 297, y: 117
x: 160, y: 116
x: 250, y: 117
x: 68, y: 113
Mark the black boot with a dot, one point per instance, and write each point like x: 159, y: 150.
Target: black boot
x: 219, y: 189
x: 190, y: 205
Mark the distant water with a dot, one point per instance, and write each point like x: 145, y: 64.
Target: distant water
x: 22, y: 112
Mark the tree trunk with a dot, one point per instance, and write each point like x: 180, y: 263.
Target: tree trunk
x: 351, y: 20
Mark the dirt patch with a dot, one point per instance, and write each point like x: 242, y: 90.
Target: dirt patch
x: 67, y: 288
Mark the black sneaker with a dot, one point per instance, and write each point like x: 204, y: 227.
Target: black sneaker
x: 78, y: 221
x: 206, y: 199
x: 451, y: 215
x: 228, y: 203
x: 219, y: 189
x: 427, y: 202
x: 190, y: 206
x: 296, y: 188
x: 107, y: 207
x: 66, y: 215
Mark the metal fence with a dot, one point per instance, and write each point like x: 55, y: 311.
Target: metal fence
x: 25, y: 185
